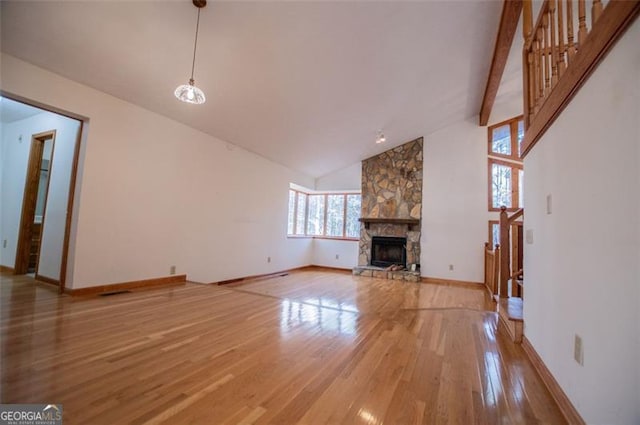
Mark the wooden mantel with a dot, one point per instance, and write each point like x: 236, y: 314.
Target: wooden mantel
x: 368, y: 220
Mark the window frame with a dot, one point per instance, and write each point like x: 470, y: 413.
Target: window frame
x: 513, y: 161
x: 513, y: 132
x: 324, y: 227
x: 515, y: 183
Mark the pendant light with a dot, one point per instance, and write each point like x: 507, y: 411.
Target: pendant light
x: 189, y: 93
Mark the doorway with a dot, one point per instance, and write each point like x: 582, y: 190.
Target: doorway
x: 34, y: 202
x: 40, y: 149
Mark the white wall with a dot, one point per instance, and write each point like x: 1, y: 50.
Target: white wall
x: 582, y: 269
x: 16, y: 141
x: 14, y: 158
x: 454, y: 202
x: 326, y: 250
x: 349, y: 178
x: 156, y: 193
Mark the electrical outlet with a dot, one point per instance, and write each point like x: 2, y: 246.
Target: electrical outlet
x: 578, y: 350
x: 450, y: 267
x: 337, y: 256
x: 172, y: 270
x: 268, y: 259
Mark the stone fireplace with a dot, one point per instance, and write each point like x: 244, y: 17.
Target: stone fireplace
x: 392, y: 209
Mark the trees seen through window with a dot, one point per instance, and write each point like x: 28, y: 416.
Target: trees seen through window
x: 328, y: 215
x: 505, y: 173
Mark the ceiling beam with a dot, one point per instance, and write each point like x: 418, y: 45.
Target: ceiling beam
x: 511, y: 10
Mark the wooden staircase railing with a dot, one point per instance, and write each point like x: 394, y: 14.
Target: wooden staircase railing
x: 560, y: 52
x: 502, y: 264
x: 509, y: 258
x: 491, y: 268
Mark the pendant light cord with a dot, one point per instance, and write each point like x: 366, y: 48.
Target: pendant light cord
x: 195, y: 45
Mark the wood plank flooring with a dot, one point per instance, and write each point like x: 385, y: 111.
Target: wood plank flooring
x: 310, y: 348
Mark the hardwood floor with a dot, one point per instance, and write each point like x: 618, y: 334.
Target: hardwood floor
x: 311, y: 348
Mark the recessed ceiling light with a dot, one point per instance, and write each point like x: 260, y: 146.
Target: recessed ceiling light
x: 381, y: 138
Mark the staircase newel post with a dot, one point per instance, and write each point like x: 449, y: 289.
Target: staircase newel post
x: 504, y: 253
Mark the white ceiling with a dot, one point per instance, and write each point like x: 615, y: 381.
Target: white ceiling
x: 11, y: 111
x: 305, y: 84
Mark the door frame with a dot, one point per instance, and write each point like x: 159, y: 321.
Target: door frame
x: 73, y: 179
x: 30, y: 199
x: 44, y: 209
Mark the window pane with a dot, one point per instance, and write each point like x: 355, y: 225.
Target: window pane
x: 520, y: 136
x: 520, y: 189
x: 353, y: 213
x: 302, y: 212
x: 495, y: 234
x: 501, y: 140
x: 335, y: 215
x: 292, y: 207
x: 315, y: 216
x: 501, y: 183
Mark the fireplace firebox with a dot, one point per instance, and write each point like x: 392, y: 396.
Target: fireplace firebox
x: 388, y: 251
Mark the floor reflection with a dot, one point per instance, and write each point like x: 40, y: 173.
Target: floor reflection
x: 305, y: 348
x: 492, y: 377
x: 331, y: 303
x: 328, y: 317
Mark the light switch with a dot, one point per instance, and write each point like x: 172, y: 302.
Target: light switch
x: 549, y: 204
x: 529, y: 236
x: 578, y: 350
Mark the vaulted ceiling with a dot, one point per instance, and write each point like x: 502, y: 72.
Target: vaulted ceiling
x: 305, y: 84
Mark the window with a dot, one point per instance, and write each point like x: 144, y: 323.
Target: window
x: 504, y: 185
x: 324, y: 215
x: 353, y: 214
x: 335, y: 215
x: 520, y: 135
x: 505, y: 139
x: 494, y: 233
x: 315, y: 218
x: 292, y: 212
x: 301, y: 213
x: 505, y: 175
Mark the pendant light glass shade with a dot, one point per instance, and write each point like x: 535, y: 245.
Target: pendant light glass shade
x: 190, y: 93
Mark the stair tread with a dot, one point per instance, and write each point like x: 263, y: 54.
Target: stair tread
x: 512, y: 308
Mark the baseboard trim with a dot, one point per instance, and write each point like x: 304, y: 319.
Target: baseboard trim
x: 309, y: 267
x: 566, y: 407
x: 46, y: 279
x: 465, y: 283
x: 258, y: 276
x: 489, y: 292
x: 329, y: 269
x: 6, y: 269
x: 135, y: 284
